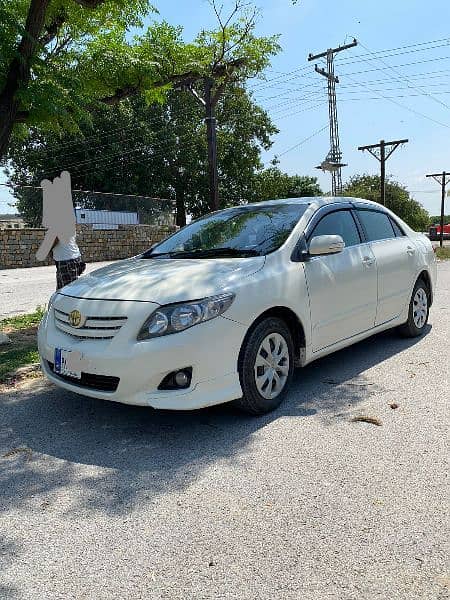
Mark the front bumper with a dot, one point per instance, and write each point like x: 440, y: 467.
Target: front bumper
x: 210, y: 348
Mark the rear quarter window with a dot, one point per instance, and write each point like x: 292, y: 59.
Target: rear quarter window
x: 397, y: 229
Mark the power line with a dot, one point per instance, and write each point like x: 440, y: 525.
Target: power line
x: 355, y: 59
x: 103, y: 136
x: 360, y: 58
x: 406, y: 107
x: 417, y: 62
x: 403, y: 77
x: 303, y: 141
x: 37, y: 187
x: 431, y: 75
x: 363, y: 57
x: 297, y: 112
x: 446, y: 39
x: 347, y: 99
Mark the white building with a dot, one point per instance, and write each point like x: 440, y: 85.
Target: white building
x: 105, y: 219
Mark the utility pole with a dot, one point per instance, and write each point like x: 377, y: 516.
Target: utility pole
x: 382, y: 158
x: 210, y: 121
x: 209, y: 102
x: 333, y: 160
x: 441, y: 178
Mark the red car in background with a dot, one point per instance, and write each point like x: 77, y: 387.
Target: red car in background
x: 434, y: 233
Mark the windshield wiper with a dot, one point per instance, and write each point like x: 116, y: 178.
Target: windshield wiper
x: 211, y: 252
x: 151, y: 254
x: 206, y: 253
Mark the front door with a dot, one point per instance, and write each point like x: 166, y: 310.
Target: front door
x: 342, y: 287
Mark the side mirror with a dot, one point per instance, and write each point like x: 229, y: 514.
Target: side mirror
x: 325, y: 244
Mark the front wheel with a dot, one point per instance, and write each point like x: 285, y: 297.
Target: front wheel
x: 419, y: 308
x: 266, y: 366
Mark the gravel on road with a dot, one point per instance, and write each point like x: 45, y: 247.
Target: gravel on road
x: 106, y: 501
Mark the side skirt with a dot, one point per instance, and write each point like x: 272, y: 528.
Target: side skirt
x: 310, y: 356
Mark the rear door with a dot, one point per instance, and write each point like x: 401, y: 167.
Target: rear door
x: 342, y: 287
x: 395, y: 257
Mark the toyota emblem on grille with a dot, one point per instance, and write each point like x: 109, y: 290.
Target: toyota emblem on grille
x: 75, y: 318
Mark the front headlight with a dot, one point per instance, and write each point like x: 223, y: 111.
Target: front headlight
x: 178, y: 317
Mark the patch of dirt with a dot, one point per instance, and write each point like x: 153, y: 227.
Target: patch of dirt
x: 22, y: 377
x: 23, y: 336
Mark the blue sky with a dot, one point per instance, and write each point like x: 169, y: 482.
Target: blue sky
x: 297, y: 101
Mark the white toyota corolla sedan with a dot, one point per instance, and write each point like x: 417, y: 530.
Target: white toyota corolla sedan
x: 225, y: 308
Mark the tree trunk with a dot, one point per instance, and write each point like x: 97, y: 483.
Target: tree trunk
x: 19, y: 70
x: 181, y: 209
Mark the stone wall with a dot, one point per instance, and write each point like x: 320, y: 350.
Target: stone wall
x: 18, y: 246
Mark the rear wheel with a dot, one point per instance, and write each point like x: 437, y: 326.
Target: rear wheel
x: 419, y: 308
x: 266, y: 366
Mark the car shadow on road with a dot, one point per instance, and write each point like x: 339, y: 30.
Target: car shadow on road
x: 141, y: 453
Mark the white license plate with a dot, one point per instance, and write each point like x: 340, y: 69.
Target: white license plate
x: 68, y: 362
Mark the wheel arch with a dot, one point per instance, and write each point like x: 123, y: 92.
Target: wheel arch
x: 425, y: 276
x: 293, y: 323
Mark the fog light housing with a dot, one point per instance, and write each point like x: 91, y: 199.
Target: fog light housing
x: 177, y: 380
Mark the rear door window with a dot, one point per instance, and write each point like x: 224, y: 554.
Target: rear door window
x: 377, y: 225
x: 340, y: 223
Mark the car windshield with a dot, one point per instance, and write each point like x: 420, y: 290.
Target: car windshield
x: 241, y: 231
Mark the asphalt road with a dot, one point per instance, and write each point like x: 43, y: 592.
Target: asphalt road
x: 22, y: 290
x: 120, y: 502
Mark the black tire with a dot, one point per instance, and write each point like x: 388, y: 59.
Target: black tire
x: 253, y: 401
x: 413, y: 327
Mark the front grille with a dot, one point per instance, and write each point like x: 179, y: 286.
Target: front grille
x: 98, y: 328
x: 91, y: 381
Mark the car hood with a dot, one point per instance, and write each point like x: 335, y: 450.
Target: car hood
x: 163, y: 280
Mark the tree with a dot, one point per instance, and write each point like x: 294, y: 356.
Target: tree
x: 60, y: 58
x: 156, y: 150
x: 398, y: 198
x: 271, y: 183
x: 436, y: 219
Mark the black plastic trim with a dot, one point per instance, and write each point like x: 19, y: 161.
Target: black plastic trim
x: 89, y: 381
x: 300, y: 252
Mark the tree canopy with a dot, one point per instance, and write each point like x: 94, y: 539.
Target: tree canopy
x: 272, y: 183
x: 60, y: 59
x: 156, y: 150
x: 398, y: 199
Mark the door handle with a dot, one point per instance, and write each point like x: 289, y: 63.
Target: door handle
x: 410, y: 250
x: 368, y: 261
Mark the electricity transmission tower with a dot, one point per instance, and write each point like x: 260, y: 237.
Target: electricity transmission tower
x: 443, y: 179
x: 333, y: 160
x: 382, y: 158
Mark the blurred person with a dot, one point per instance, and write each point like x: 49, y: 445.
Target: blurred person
x: 58, y: 217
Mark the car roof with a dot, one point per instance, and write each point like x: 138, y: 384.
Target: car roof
x: 319, y: 200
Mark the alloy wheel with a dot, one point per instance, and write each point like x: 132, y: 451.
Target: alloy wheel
x: 272, y: 365
x: 420, y: 308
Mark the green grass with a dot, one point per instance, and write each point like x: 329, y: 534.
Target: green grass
x: 443, y: 253
x: 23, y: 348
x: 10, y: 360
x: 23, y: 321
